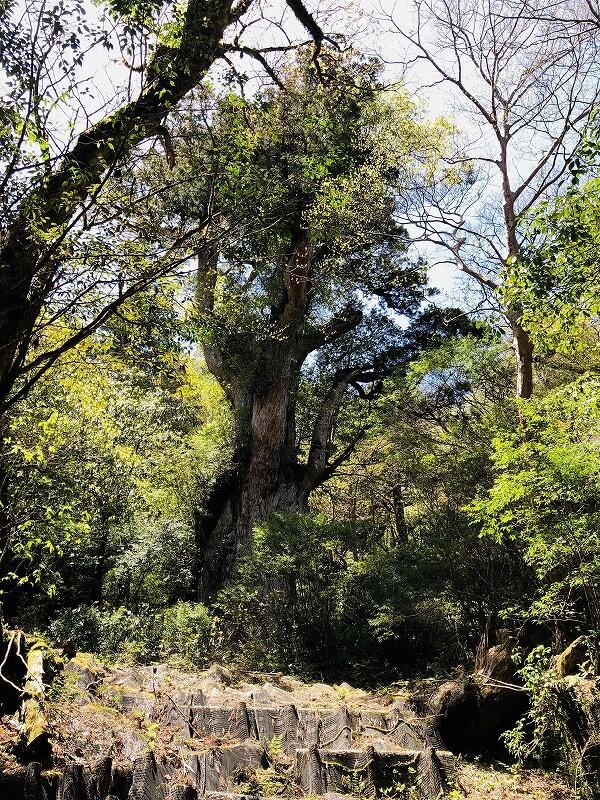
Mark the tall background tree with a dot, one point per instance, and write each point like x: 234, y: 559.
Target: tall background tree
x: 555, y: 276
x: 525, y: 79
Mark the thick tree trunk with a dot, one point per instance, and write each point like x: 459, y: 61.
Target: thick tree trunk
x: 222, y: 541
x: 267, y: 476
x: 266, y: 479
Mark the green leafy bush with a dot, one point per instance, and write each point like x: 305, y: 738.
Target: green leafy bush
x: 544, y: 502
x: 187, y: 630
x: 562, y: 726
x: 316, y: 598
x: 133, y: 636
x: 181, y: 633
x: 281, y: 611
x: 80, y: 625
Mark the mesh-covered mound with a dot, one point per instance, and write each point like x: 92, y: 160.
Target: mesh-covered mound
x: 154, y: 733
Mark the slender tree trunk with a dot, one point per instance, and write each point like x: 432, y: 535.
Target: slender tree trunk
x: 523, y: 347
x: 522, y: 344
x: 399, y: 515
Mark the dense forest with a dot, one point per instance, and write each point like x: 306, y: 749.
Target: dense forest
x: 300, y: 347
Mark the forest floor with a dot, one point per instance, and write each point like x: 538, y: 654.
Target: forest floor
x: 479, y: 781
x: 126, y: 711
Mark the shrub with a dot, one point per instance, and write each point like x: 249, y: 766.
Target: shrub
x: 182, y: 633
x: 562, y: 726
x: 315, y: 598
x: 80, y: 625
x: 187, y: 633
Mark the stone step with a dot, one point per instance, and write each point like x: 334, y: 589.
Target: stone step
x: 288, y: 727
x: 365, y: 772
x: 223, y: 769
x: 233, y: 796
x: 223, y: 740
x: 240, y: 772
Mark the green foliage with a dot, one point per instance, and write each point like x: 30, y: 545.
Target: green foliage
x: 318, y: 597
x: 34, y: 40
x: 535, y: 735
x: 544, y: 499
x: 345, y: 593
x: 181, y: 634
x: 140, y: 14
x: 426, y: 455
x: 150, y: 564
x: 555, y: 278
x: 560, y: 728
x: 134, y: 636
x: 282, y: 608
x: 81, y: 625
x: 106, y: 464
x: 325, y: 158
x: 147, y: 334
x: 187, y: 633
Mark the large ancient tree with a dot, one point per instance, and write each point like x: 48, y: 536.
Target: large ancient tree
x: 61, y: 275
x: 303, y: 248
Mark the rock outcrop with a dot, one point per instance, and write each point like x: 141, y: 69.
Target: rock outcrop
x: 154, y: 733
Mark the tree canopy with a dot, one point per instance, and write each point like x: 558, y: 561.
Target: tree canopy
x: 54, y: 172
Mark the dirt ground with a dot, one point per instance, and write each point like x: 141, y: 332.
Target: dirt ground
x: 508, y: 782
